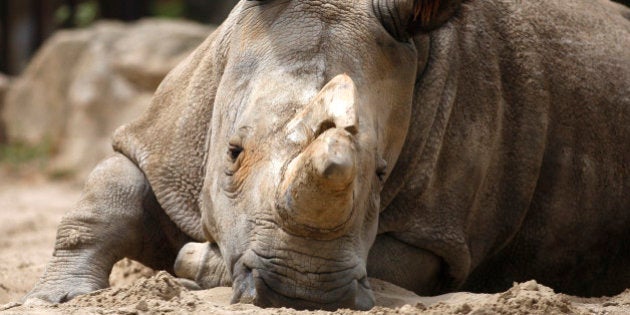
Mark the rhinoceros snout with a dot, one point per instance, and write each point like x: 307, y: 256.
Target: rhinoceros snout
x: 288, y: 276
x: 266, y: 289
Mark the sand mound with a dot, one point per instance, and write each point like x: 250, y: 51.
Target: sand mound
x: 524, y: 298
x: 158, y: 289
x: 161, y: 294
x: 29, y: 237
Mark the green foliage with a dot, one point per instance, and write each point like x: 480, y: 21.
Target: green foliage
x: 19, y: 153
x: 86, y: 13
x: 20, y: 159
x: 61, y: 174
x: 62, y: 14
x: 168, y: 9
x: 23, y: 160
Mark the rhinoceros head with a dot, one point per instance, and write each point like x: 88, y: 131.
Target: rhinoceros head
x: 310, y: 115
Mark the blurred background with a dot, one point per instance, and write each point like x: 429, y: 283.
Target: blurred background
x: 72, y: 71
x: 26, y: 24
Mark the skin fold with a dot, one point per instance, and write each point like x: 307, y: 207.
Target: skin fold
x: 439, y: 145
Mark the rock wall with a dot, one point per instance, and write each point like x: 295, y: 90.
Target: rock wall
x: 85, y: 83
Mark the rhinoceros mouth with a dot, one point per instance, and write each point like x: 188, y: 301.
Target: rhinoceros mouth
x: 354, y: 295
x: 267, y: 282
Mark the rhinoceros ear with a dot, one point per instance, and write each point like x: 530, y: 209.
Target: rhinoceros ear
x: 405, y: 18
x: 431, y: 14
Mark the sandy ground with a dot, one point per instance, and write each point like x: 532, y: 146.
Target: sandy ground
x: 31, y: 208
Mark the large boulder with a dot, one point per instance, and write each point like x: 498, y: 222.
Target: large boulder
x: 85, y: 83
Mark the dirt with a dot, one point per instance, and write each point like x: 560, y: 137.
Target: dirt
x: 32, y: 206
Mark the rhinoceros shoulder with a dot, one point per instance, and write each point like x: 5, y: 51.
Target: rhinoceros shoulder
x: 169, y: 141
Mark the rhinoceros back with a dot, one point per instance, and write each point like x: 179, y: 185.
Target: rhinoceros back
x: 168, y: 142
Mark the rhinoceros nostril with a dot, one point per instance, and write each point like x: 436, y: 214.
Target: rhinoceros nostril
x: 329, y: 124
x: 323, y: 126
x: 352, y: 130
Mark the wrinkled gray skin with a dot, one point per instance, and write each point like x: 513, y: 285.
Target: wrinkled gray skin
x: 314, y: 143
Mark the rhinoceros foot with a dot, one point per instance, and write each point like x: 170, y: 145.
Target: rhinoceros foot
x: 203, y: 265
x: 59, y: 291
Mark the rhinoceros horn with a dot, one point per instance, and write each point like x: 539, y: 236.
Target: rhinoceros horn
x: 316, y: 196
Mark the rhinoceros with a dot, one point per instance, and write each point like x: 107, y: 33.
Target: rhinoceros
x: 308, y: 145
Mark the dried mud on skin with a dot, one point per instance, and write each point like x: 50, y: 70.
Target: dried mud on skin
x: 31, y: 211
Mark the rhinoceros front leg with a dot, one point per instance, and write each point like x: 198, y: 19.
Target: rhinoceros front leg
x: 203, y: 265
x: 405, y: 265
x: 116, y: 217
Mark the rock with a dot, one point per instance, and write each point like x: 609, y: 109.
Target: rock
x: 35, y: 105
x: 85, y: 83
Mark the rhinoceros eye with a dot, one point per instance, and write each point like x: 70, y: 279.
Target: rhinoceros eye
x: 234, y: 151
x: 235, y: 145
